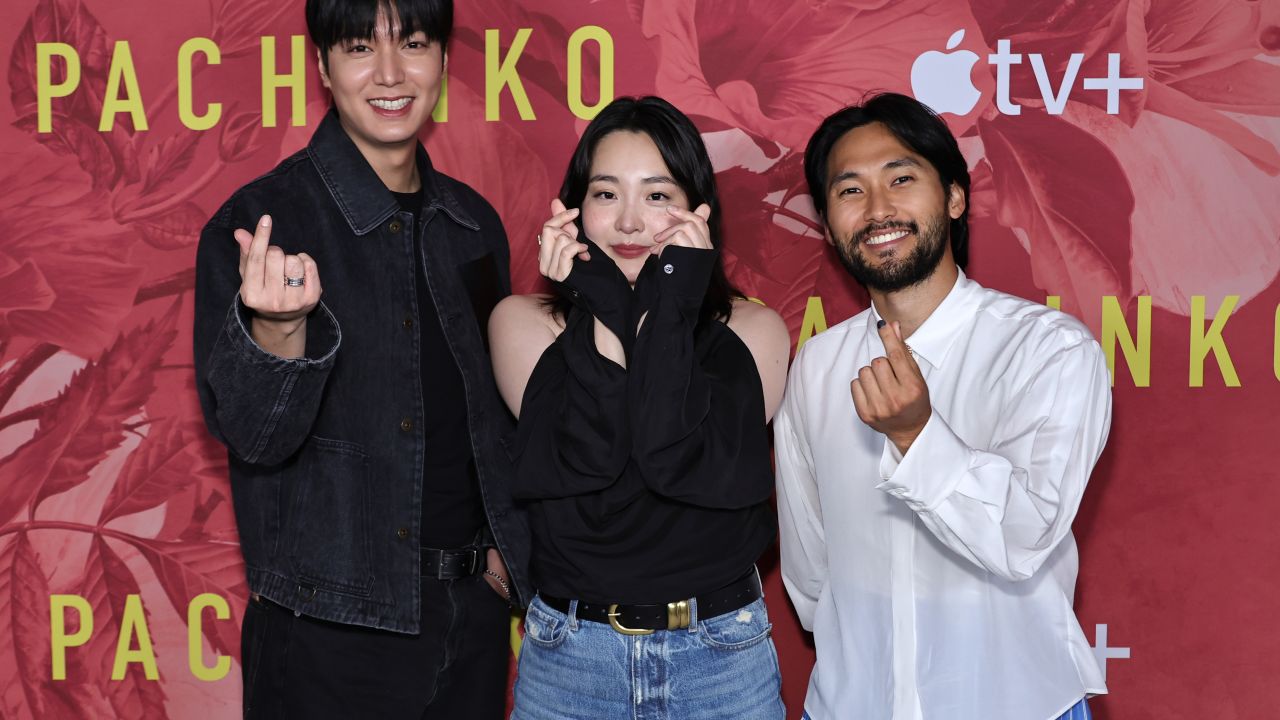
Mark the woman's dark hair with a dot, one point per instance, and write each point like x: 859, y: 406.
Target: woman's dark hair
x: 330, y: 22
x: 915, y: 126
x: 686, y: 157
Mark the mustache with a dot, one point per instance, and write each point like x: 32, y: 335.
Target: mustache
x: 908, y: 225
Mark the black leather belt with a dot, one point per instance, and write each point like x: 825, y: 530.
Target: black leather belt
x: 644, y: 619
x: 449, y: 564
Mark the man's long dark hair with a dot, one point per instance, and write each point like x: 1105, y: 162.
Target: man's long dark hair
x: 686, y: 157
x: 915, y: 126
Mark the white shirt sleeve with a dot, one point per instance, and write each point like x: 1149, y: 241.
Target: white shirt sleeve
x: 800, y: 534
x: 1007, y: 507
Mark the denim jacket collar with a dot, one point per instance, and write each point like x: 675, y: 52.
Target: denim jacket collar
x: 359, y: 193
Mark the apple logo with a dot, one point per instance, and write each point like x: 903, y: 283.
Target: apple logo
x: 941, y: 80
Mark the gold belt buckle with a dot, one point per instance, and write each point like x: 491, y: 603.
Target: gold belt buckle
x: 613, y: 622
x: 678, y: 615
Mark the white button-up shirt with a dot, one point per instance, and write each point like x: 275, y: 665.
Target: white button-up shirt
x: 939, y: 585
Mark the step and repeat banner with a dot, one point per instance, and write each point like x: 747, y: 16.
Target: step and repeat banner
x: 1125, y: 168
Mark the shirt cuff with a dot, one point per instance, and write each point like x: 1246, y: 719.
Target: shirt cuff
x: 323, y: 338
x: 598, y: 288
x: 931, y: 469
x: 685, y: 272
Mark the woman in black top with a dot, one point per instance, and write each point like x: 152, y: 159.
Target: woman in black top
x: 643, y: 387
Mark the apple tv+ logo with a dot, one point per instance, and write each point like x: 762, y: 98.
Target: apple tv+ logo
x: 942, y: 80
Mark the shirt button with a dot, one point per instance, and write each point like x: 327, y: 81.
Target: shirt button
x: 408, y: 322
x: 668, y: 268
x: 406, y: 424
x: 402, y: 533
x: 395, y: 227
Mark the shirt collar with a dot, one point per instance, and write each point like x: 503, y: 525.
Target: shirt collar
x: 362, y: 197
x: 933, y: 339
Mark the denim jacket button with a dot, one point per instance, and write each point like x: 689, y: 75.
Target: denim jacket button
x: 406, y: 424
x: 408, y: 322
x: 395, y: 227
x: 402, y: 533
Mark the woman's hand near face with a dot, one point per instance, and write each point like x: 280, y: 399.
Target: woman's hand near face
x: 691, y: 229
x: 558, y: 243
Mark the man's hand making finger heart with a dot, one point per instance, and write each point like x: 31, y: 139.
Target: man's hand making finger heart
x: 280, y: 289
x: 890, y: 394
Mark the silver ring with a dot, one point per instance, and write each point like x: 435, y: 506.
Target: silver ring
x: 294, y: 282
x: 539, y: 236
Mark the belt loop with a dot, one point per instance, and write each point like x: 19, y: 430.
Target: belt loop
x: 693, y: 615
x: 573, y: 616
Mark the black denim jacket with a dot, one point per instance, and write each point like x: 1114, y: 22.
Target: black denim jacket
x: 325, y: 450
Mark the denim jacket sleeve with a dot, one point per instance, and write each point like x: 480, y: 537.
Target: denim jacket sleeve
x: 261, y: 406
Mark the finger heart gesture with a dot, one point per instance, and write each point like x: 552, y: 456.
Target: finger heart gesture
x: 890, y: 394
x: 558, y: 243
x: 275, y: 285
x: 690, y: 230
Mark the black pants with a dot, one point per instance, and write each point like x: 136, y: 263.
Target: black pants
x: 300, y: 667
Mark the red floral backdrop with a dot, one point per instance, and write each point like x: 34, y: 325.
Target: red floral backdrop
x: 109, y: 486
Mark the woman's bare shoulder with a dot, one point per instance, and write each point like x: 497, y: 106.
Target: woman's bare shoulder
x: 755, y: 318
x: 520, y: 312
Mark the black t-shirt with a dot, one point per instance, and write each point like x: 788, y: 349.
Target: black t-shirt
x: 452, y: 509
x: 647, y: 484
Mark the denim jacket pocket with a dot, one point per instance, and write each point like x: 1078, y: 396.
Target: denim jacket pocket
x: 737, y: 630
x: 329, y: 519
x: 544, y: 627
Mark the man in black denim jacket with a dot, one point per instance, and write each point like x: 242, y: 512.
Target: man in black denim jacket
x: 322, y: 403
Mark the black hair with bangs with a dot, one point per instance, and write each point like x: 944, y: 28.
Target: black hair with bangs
x: 330, y: 22
x: 685, y: 155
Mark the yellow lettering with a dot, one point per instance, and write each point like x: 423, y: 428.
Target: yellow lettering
x: 1137, y: 354
x: 295, y: 81
x: 46, y: 90
x: 441, y: 112
x: 515, y: 637
x: 112, y: 103
x: 1202, y: 341
x: 1275, y: 356
x: 814, y: 322
x: 195, y: 635
x: 605, y: 41
x: 185, y: 112
x: 58, y: 636
x: 500, y: 72
x: 134, y: 623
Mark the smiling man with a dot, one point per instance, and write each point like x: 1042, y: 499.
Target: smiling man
x: 932, y: 452
x: 361, y: 419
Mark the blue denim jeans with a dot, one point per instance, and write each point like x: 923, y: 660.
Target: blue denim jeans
x: 721, y: 667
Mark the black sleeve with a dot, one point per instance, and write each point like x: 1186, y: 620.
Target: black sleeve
x: 261, y: 406
x: 599, y: 289
x: 698, y: 429
x: 573, y: 435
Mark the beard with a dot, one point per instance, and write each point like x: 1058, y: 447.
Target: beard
x: 895, y: 273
